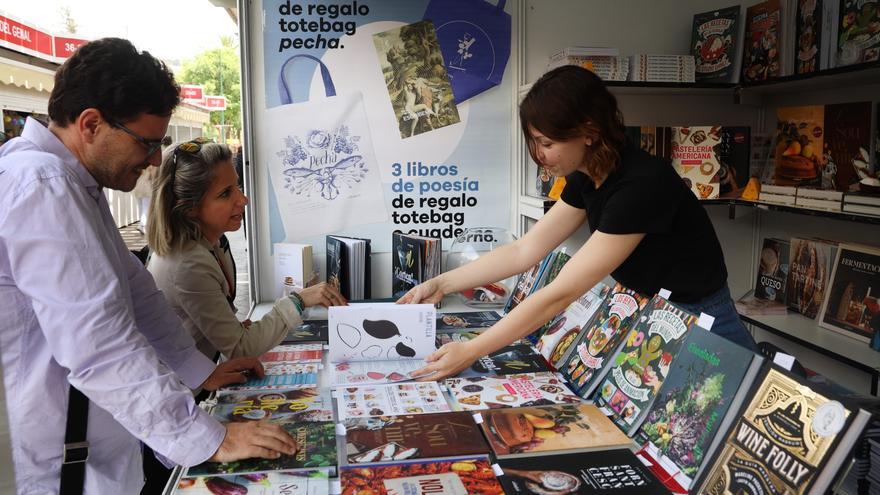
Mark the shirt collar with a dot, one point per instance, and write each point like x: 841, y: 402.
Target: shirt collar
x: 44, y: 139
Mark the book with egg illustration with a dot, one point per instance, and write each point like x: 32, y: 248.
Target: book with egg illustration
x: 387, y: 339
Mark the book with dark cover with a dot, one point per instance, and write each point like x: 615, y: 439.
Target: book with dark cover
x: 858, y: 40
x: 462, y: 476
x: 397, y: 438
x: 316, y: 443
x: 528, y: 282
x: 474, y: 319
x: 348, y: 266
x: 762, y: 42
x: 693, y: 403
x: 523, y: 431
x: 553, y: 269
x: 809, y: 37
x: 808, y: 274
x: 714, y: 45
x: 852, y: 305
x: 644, y: 361
x: 307, y: 331
x: 414, y: 259
x: 607, y: 472
x: 800, y: 141
x: 772, y: 270
x: 567, y: 327
x: 506, y: 361
x: 847, y: 143
x: 792, y: 437
x: 289, y: 406
x: 590, y: 356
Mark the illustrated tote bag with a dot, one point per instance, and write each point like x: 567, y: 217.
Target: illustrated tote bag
x: 321, y: 162
x: 474, y: 38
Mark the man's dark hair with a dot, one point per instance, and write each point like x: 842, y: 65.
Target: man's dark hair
x: 111, y: 75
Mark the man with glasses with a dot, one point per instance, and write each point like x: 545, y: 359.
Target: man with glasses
x: 81, y: 317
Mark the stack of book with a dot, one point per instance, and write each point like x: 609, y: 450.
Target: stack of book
x: 604, y: 62
x: 780, y: 195
x: 861, y: 203
x: 662, y: 68
x: 818, y: 199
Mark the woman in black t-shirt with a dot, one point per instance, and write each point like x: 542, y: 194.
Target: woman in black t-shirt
x: 648, y: 230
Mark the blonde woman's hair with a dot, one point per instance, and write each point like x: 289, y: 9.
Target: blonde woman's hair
x: 184, y: 178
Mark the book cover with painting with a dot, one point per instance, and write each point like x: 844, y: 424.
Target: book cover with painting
x: 271, y: 483
x: 800, y: 142
x: 298, y: 353
x: 772, y: 270
x: 847, y: 144
x: 416, y: 78
x: 527, y: 283
x: 709, y: 374
x: 316, y: 443
x: 790, y: 437
x: 858, y: 32
x: 507, y: 361
x: 290, y: 406
x: 519, y: 390
x: 644, y: 361
x: 423, y: 436
x: 714, y: 45
x: 809, y: 38
x: 464, y: 320
x: 809, y: 270
x: 761, y: 43
x: 307, y: 331
x: 590, y: 356
x: 568, y: 325
x: 852, y: 306
x: 606, y: 472
x: 523, y: 431
x: 390, y: 399
x: 460, y: 476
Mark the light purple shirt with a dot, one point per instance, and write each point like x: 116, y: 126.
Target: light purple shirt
x: 76, y: 307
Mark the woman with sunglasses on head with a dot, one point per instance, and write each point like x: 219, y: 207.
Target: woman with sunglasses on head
x: 195, y: 201
x: 648, y: 230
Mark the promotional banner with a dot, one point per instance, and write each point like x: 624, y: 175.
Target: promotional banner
x: 364, y: 134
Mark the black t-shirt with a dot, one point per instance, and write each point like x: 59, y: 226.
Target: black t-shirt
x: 680, y: 251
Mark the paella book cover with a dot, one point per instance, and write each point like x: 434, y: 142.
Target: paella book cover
x: 461, y: 476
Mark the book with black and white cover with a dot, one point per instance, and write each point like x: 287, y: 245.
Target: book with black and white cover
x: 853, y: 300
x: 517, y: 390
x: 606, y: 472
x: 716, y: 45
x: 791, y: 436
x: 348, y: 266
x: 414, y: 259
x: 455, y: 476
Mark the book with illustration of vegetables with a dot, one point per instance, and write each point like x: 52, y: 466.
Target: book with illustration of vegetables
x: 643, y: 363
x: 519, y: 390
x: 271, y: 483
x: 682, y: 427
x: 588, y: 358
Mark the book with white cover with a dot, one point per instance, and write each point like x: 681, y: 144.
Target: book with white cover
x: 292, y: 260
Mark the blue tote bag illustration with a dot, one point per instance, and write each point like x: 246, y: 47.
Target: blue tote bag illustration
x: 474, y: 38
x: 321, y: 160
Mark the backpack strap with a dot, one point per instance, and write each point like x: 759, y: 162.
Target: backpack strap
x: 76, y: 447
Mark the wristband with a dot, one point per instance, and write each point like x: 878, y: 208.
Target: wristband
x: 297, y: 301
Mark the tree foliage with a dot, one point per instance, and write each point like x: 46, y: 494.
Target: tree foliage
x: 218, y: 71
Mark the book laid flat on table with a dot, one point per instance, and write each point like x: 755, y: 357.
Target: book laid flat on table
x: 566, y: 327
x: 643, y: 362
x: 348, y: 266
x: 590, y: 356
x: 789, y: 438
x: 525, y: 389
x: 398, y: 438
x: 414, y: 259
x: 524, y: 431
x: 682, y: 426
x: 391, y: 399
x: 448, y: 336
x: 387, y: 339
x: 271, y: 483
x: 606, y: 472
x: 808, y: 274
x: 316, y: 443
x: 506, y: 361
x: 308, y: 331
x: 460, y: 476
x: 280, y: 376
x: 300, y: 353
x: 853, y: 301
x: 463, y: 320
x: 289, y: 406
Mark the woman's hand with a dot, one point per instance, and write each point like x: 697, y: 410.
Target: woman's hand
x: 428, y: 292
x: 446, y: 361
x: 322, y: 294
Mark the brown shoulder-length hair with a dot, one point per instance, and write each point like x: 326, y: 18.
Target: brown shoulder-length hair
x: 571, y: 102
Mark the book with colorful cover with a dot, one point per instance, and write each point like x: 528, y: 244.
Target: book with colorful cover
x: 847, y: 143
x: 423, y: 436
x: 644, y: 361
x: 568, y: 325
x: 448, y: 336
x: 373, y: 372
x: 523, y: 431
x: 390, y: 399
x: 519, y: 390
x: 800, y: 143
x: 853, y: 301
x: 808, y: 275
x: 316, y: 443
x: 709, y: 374
x: 714, y: 45
x: 762, y: 42
x: 791, y: 437
x: 590, y: 356
x: 271, y: 483
x: 464, y: 320
x: 290, y: 406
x: 307, y: 331
x: 459, y: 476
x: 300, y: 353
x: 858, y: 37
x: 527, y: 283
x: 550, y: 274
x: 606, y: 472
x: 772, y: 270
x: 712, y: 160
x: 809, y: 36
x: 280, y: 376
x: 507, y: 361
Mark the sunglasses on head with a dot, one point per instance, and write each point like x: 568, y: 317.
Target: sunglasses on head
x: 152, y: 145
x: 191, y: 147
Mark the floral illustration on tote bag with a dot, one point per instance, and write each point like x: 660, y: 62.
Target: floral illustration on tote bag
x: 323, y: 164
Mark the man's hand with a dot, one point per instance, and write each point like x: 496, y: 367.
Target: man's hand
x: 259, y: 439
x: 234, y: 371
x: 448, y: 360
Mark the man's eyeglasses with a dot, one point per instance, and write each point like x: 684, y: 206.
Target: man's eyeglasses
x: 152, y: 145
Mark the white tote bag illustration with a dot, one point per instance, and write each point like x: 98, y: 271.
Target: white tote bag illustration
x: 321, y: 161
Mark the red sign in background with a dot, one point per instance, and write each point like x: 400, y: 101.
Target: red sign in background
x: 18, y: 35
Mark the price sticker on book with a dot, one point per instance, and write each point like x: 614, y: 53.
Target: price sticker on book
x: 784, y: 360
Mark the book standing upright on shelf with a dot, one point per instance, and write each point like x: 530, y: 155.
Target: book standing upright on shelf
x: 808, y: 274
x: 853, y: 300
x: 348, y: 266
x: 716, y: 45
x: 809, y: 37
x: 772, y: 270
x: 762, y: 42
x: 414, y: 259
x: 847, y: 144
x: 295, y: 261
x: 857, y: 36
